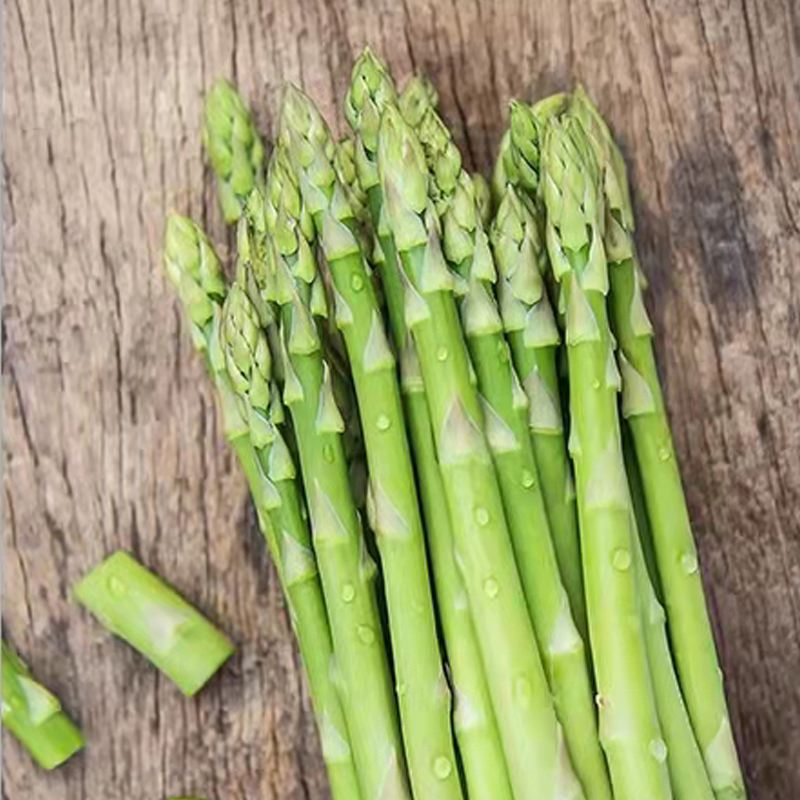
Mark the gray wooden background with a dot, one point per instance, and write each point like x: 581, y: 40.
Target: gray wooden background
x: 111, y: 438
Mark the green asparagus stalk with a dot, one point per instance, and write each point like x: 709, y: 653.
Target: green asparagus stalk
x: 629, y: 726
x: 505, y: 404
x: 536, y: 755
x: 347, y: 571
x: 195, y: 270
x: 423, y: 694
x: 153, y: 618
x: 485, y: 771
x: 34, y: 715
x: 643, y: 407
x: 234, y: 148
x: 534, y: 339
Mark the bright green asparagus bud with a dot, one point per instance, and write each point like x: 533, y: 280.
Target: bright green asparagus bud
x: 643, y: 406
x: 371, y: 88
x: 140, y: 608
x: 234, y: 148
x: 629, y: 726
x: 34, y: 715
x: 483, y: 198
x: 417, y: 97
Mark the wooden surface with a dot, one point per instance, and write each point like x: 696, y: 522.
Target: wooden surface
x: 111, y: 438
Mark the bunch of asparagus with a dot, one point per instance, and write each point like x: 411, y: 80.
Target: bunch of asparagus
x: 486, y: 620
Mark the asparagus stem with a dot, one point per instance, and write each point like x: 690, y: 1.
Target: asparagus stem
x: 534, y: 341
x: 476, y: 732
x: 34, y: 715
x: 535, y: 752
x: 234, y: 148
x: 191, y: 262
x: 466, y: 248
x: 629, y: 727
x: 346, y: 569
x: 643, y: 407
x: 423, y: 694
x: 153, y: 618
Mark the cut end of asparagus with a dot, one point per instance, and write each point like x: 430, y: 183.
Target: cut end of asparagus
x: 136, y: 605
x: 234, y: 147
x: 34, y: 715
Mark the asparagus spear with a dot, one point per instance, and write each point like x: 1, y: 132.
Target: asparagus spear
x: 466, y: 248
x: 534, y: 339
x: 476, y: 732
x: 643, y: 406
x: 194, y: 268
x: 234, y: 148
x: 347, y: 571
x: 537, y: 758
x: 423, y: 694
x: 140, y: 608
x: 34, y: 715
x: 629, y: 728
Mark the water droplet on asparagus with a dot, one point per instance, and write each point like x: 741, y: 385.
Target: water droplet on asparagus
x: 442, y: 353
x: 327, y: 453
x: 490, y: 587
x: 357, y: 282
x: 658, y: 749
x: 116, y: 586
x: 621, y: 559
x: 527, y: 479
x: 689, y: 563
x: 383, y: 422
x: 365, y: 634
x: 663, y: 453
x: 502, y: 352
x: 596, y: 383
x: 442, y: 768
x: 401, y: 689
x: 481, y: 516
x: 348, y: 593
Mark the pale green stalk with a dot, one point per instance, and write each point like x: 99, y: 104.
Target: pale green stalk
x: 629, y: 726
x: 536, y: 754
x: 643, y: 407
x: 476, y: 732
x: 194, y: 269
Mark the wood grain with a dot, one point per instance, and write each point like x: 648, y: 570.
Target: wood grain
x: 111, y: 438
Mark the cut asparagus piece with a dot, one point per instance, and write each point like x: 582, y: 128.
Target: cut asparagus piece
x: 34, y: 715
x: 346, y: 569
x: 629, y: 727
x: 423, y: 694
x: 466, y: 248
x: 536, y: 754
x: 234, y: 148
x: 136, y: 605
x: 643, y: 406
x: 475, y: 728
x: 191, y: 262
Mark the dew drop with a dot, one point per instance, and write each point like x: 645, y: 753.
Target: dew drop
x: 442, y: 353
x: 348, y: 593
x: 595, y: 384
x: 357, y: 282
x: 689, y: 563
x: 600, y: 701
x: 365, y: 634
x: 442, y: 768
x: 663, y: 454
x: 116, y: 586
x: 621, y: 559
x: 658, y: 749
x: 502, y: 352
x: 481, y: 516
x: 401, y: 689
x: 527, y: 479
x: 490, y: 587
x: 383, y: 423
x: 523, y: 692
x: 327, y: 453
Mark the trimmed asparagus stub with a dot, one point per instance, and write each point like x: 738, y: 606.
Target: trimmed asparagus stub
x: 136, y: 605
x: 234, y: 148
x: 629, y: 728
x: 643, y: 406
x: 34, y: 715
x: 474, y: 724
x: 505, y: 422
x: 536, y: 754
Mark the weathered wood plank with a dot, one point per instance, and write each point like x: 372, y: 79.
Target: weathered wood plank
x: 111, y: 439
